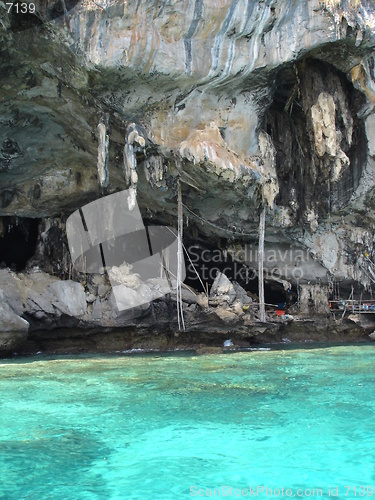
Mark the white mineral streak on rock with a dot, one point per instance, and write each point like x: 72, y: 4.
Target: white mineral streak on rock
x: 323, y: 116
x: 223, y: 36
x: 370, y: 132
x: 327, y: 138
x: 207, y: 145
x: 103, y: 139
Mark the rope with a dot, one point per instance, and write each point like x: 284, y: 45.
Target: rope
x: 191, y: 262
x: 215, y: 225
x: 195, y: 270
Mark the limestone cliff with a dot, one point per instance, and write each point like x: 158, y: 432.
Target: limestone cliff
x: 246, y: 102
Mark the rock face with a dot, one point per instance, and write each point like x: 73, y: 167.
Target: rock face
x: 39, y: 295
x: 13, y: 328
x: 68, y: 298
x: 243, y: 103
x: 10, y: 321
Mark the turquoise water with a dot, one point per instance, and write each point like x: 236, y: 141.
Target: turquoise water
x: 151, y: 427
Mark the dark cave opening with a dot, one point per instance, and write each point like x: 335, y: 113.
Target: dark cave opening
x: 18, y: 240
x: 24, y: 16
x: 209, y: 261
x: 60, y: 7
x: 285, y: 123
x: 306, y: 179
x: 356, y: 152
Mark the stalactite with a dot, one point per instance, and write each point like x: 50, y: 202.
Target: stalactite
x: 180, y: 224
x: 103, y: 151
x: 134, y: 141
x: 155, y: 172
x: 131, y: 176
x: 262, y: 227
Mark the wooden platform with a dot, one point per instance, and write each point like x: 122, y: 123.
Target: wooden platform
x: 352, y: 306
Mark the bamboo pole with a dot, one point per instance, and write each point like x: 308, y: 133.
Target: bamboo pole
x: 352, y: 299
x: 180, y: 225
x: 262, y: 227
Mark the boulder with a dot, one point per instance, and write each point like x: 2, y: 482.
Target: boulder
x: 38, y: 305
x: 90, y: 298
x: 226, y: 315
x: 68, y: 297
x: 97, y: 309
x: 202, y: 301
x: 13, y: 288
x: 13, y: 328
x: 237, y: 308
x: 103, y: 289
x: 9, y: 320
x: 222, y: 290
x: 132, y: 303
x: 241, y: 293
x: 122, y: 275
x: 186, y: 295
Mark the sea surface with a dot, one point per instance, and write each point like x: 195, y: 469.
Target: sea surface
x: 263, y: 424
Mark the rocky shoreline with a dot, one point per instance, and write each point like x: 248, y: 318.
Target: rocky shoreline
x: 41, y: 313
x: 130, y: 341
x: 247, y: 126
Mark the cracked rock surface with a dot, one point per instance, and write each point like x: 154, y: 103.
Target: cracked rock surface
x: 244, y: 103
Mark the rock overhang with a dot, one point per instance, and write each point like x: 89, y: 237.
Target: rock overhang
x: 199, y: 81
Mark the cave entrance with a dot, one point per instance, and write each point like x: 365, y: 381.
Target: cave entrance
x: 306, y: 178
x: 209, y: 261
x: 18, y: 240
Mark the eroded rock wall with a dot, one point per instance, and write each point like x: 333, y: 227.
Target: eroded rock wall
x: 245, y: 103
